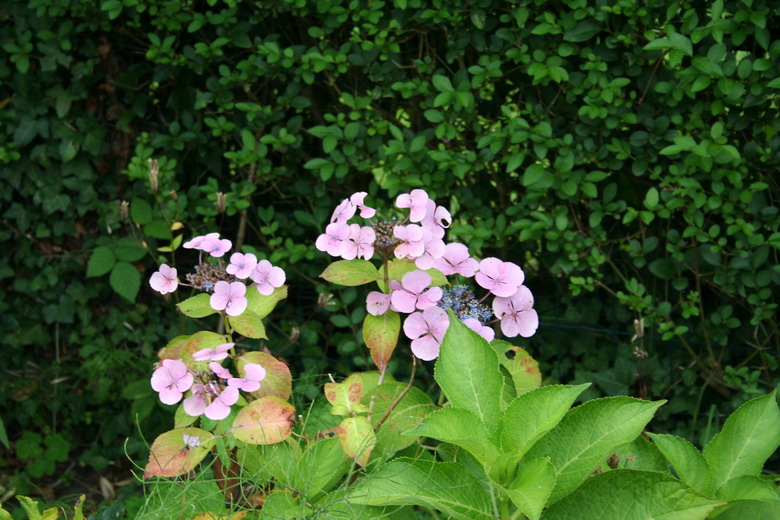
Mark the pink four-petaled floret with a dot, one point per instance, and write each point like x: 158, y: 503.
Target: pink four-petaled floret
x: 412, y: 294
x: 229, y: 297
x: 517, y: 314
x: 164, y: 281
x: 426, y: 329
x: 171, y: 380
x: 499, y: 277
x: 267, y: 277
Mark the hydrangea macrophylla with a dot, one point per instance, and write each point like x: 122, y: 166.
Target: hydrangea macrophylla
x: 437, y: 219
x: 220, y: 371
x: 499, y: 277
x: 217, y: 353
x: 267, y: 277
x: 412, y: 244
x: 517, y: 314
x: 195, y: 242
x: 343, y: 212
x: 413, y: 295
x: 195, y: 404
x: 359, y: 243
x: 456, y: 260
x: 485, y: 331
x: 220, y: 406
x: 215, y: 246
x: 241, y: 265
x: 377, y: 303
x: 229, y: 297
x: 416, y: 201
x: 426, y: 330
x: 164, y: 281
x: 254, y: 373
x: 330, y: 241
x: 171, y: 380
x: 358, y: 200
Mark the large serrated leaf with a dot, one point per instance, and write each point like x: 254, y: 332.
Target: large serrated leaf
x: 467, y: 372
x: 586, y: 435
x: 171, y: 455
x: 687, y: 461
x: 462, y: 428
x: 749, y: 436
x: 445, y: 486
x: 632, y: 495
x: 532, y: 486
x: 381, y: 336
x: 351, y: 272
x: 248, y: 324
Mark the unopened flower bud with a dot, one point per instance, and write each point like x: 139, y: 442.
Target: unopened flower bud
x: 173, y: 195
x: 124, y: 209
x: 154, y: 172
x: 295, y: 333
x: 325, y: 299
x: 220, y: 202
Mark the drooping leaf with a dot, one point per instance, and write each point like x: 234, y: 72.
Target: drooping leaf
x: 632, y: 495
x: 381, y: 336
x: 357, y: 438
x: 446, y: 486
x: 266, y: 421
x: 171, y: 455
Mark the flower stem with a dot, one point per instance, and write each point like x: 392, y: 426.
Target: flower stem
x: 400, y: 396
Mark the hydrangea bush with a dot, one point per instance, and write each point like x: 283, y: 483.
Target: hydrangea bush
x: 498, y: 444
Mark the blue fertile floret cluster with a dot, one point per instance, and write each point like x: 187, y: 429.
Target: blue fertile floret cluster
x: 464, y: 304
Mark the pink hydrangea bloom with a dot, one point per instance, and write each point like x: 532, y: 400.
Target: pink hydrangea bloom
x: 254, y: 373
x: 164, y: 281
x: 358, y: 200
x: 171, y: 380
x: 241, y: 265
x: 229, y: 297
x: 220, y: 371
x: 217, y: 353
x: 330, y: 241
x: 412, y: 244
x: 413, y: 295
x: 195, y: 242
x: 456, y: 260
x: 343, y: 212
x: 195, y: 404
x: 434, y: 249
x: 483, y: 330
x: 517, y: 314
x: 215, y: 246
x: 436, y: 220
x: 220, y: 406
x: 426, y: 329
x: 416, y: 201
x: 377, y: 303
x: 359, y: 243
x: 268, y: 277
x: 498, y: 277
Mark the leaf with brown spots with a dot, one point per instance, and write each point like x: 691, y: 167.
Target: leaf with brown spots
x: 266, y: 421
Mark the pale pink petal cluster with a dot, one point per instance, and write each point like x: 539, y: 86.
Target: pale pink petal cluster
x: 165, y: 280
x: 220, y: 371
x: 253, y: 374
x: 499, y: 277
x: 229, y: 297
x: 426, y: 329
x: 358, y: 199
x: 217, y: 353
x: 434, y: 249
x: 377, y: 303
x: 195, y: 242
x: 412, y: 241
x: 215, y: 246
x: 241, y: 265
x: 330, y: 241
x: 416, y: 201
x: 171, y: 380
x: 195, y: 404
x: 517, y: 314
x: 412, y: 295
x: 456, y: 260
x: 343, y: 212
x: 359, y: 243
x: 268, y: 277
x: 220, y: 405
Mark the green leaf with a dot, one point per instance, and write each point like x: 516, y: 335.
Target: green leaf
x: 381, y: 336
x: 413, y: 408
x: 586, y: 435
x: 533, y: 414
x: 197, y: 306
x: 442, y: 83
x: 748, y: 488
x: 707, y: 67
x: 523, y: 369
x: 750, y: 435
x: 749, y: 510
x: 632, y: 495
x: 248, y: 324
x: 532, y: 487
x: 467, y: 372
x: 278, y: 379
x: 100, y: 262
x: 687, y: 461
x: 170, y: 455
x: 584, y: 30
x: 125, y: 280
x: 346, y: 397
x: 651, y: 198
x: 321, y: 466
x: 448, y: 487
x: 140, y: 211
x: 262, y: 304
x: 351, y: 272
x: 357, y: 438
x: 675, y: 41
x: 462, y: 428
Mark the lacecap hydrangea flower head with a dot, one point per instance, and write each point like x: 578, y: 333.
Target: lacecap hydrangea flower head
x: 356, y: 231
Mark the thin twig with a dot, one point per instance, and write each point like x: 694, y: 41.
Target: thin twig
x: 400, y: 396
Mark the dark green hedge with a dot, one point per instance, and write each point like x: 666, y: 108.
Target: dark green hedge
x: 623, y: 152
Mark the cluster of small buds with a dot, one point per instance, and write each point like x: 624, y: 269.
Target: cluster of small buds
x: 420, y: 236
x: 225, y: 282
x: 212, y: 392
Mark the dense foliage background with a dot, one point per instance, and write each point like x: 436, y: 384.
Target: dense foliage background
x: 622, y: 152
